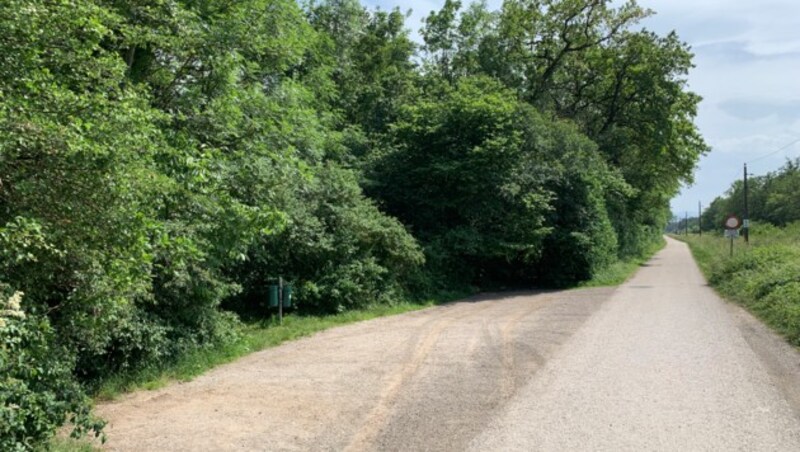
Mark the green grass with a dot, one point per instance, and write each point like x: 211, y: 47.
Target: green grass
x: 764, y: 276
x: 619, y: 272
x: 65, y: 444
x: 255, y: 337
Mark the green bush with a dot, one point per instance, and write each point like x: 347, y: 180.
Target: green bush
x: 583, y: 241
x: 338, y: 249
x: 495, y: 189
x: 37, y: 390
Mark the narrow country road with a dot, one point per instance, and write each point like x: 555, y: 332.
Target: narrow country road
x: 660, y: 363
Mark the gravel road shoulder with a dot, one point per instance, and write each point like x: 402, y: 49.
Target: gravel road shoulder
x: 426, y: 380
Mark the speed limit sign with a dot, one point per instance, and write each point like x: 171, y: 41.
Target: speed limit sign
x: 733, y: 222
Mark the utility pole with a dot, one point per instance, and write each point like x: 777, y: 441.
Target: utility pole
x: 746, y: 219
x: 686, y: 222
x: 699, y: 218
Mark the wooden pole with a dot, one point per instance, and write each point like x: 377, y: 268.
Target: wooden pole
x: 699, y: 218
x: 280, y: 300
x: 746, y: 213
x: 686, y: 222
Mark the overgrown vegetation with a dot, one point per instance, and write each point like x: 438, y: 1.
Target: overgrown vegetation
x: 37, y: 389
x: 160, y: 161
x: 764, y: 276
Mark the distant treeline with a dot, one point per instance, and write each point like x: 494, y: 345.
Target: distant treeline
x: 161, y: 160
x: 773, y: 198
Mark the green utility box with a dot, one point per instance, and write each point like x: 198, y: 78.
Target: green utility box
x: 272, y: 295
x: 287, y: 296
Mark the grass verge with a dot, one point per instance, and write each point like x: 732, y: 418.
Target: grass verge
x: 619, y: 272
x: 764, y: 276
x: 66, y: 444
x: 255, y: 336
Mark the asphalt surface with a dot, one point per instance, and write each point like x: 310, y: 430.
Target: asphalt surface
x: 663, y: 366
x: 660, y: 363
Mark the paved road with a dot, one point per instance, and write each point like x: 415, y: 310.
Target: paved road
x: 660, y: 363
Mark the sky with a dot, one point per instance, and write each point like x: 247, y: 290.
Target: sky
x: 747, y: 58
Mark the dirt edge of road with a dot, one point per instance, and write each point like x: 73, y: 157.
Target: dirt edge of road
x: 460, y: 361
x: 780, y: 359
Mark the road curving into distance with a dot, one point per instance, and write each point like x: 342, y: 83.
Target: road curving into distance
x: 660, y: 363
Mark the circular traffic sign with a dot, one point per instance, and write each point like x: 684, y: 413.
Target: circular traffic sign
x: 732, y: 222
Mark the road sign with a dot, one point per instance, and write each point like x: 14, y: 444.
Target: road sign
x: 731, y: 233
x: 732, y: 222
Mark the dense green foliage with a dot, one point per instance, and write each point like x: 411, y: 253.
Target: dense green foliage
x: 162, y: 161
x: 495, y: 189
x: 37, y: 391
x: 764, y: 276
x: 482, y: 166
x: 338, y: 249
x: 773, y: 198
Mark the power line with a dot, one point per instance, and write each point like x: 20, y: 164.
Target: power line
x: 786, y: 146
x: 775, y: 151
